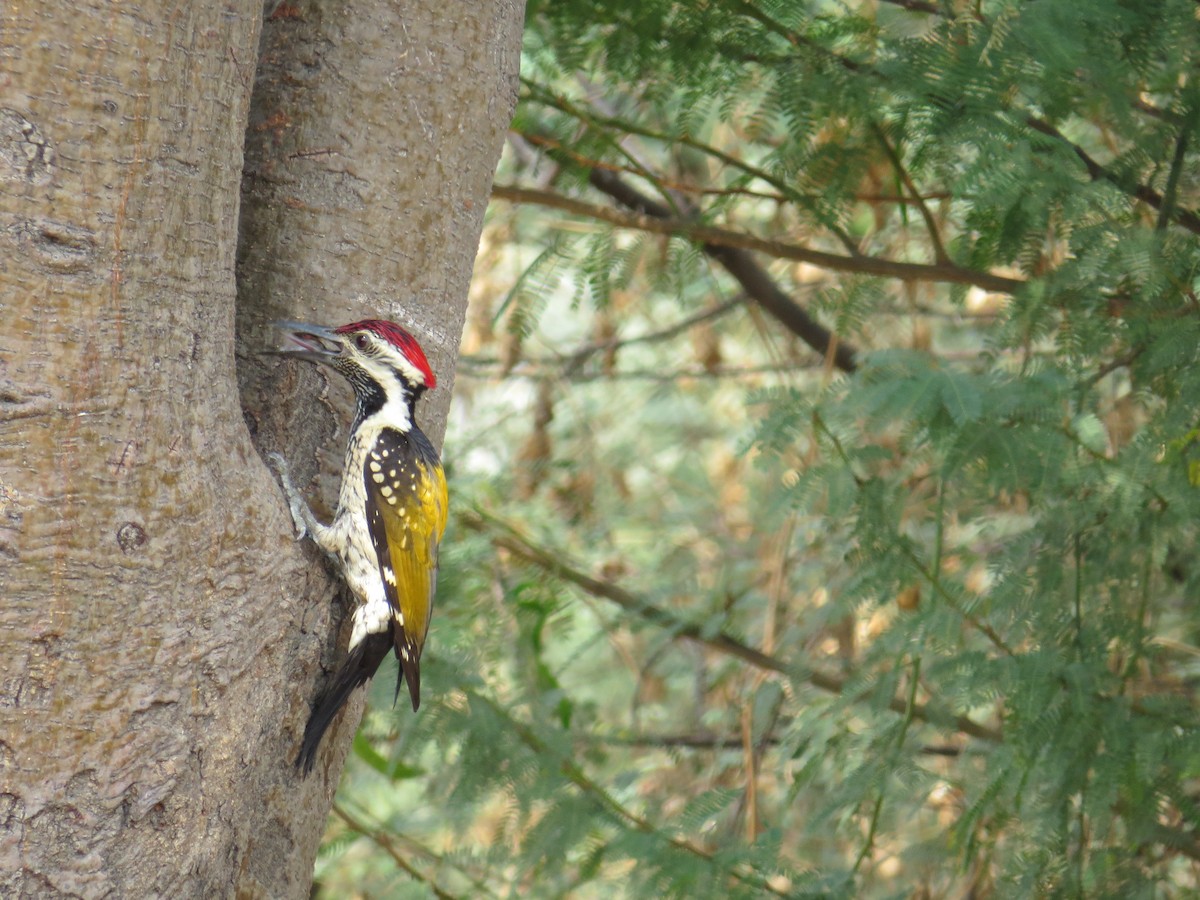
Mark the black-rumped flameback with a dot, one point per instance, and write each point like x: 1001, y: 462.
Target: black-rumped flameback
x: 391, y: 510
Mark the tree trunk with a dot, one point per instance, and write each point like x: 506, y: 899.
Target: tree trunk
x: 160, y: 632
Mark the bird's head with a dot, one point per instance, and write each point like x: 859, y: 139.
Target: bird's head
x: 381, y: 360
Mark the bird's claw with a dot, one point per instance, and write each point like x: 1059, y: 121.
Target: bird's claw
x: 279, y: 464
x: 298, y: 522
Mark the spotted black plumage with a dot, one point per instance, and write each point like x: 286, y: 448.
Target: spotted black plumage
x: 406, y: 503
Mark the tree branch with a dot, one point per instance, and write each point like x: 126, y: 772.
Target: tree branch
x: 1097, y: 172
x: 706, y: 741
x: 650, y: 216
x: 731, y: 250
x: 915, y: 6
x: 504, y: 535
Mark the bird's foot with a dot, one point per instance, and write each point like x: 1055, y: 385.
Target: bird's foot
x: 295, y: 502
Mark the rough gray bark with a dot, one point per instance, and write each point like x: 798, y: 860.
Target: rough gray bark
x: 373, y: 139
x: 160, y: 633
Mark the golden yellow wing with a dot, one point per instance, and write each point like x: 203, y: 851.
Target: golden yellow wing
x: 407, y: 504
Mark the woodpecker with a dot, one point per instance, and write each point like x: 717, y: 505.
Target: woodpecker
x: 391, y: 510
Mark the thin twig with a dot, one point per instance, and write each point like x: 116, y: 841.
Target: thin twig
x: 541, y: 369
x: 384, y: 841
x: 574, y: 773
x: 608, y: 122
x: 951, y: 601
x: 578, y: 357
x: 935, y: 238
x: 1170, y: 195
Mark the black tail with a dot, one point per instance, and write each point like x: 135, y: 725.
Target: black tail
x: 359, y: 667
x: 409, y: 655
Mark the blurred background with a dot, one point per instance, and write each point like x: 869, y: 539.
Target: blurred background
x: 824, y: 465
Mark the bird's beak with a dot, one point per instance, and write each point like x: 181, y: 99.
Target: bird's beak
x: 315, y: 343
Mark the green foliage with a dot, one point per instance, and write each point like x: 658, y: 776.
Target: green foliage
x: 716, y: 620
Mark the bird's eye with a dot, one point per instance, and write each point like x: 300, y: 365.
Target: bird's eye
x: 362, y: 342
